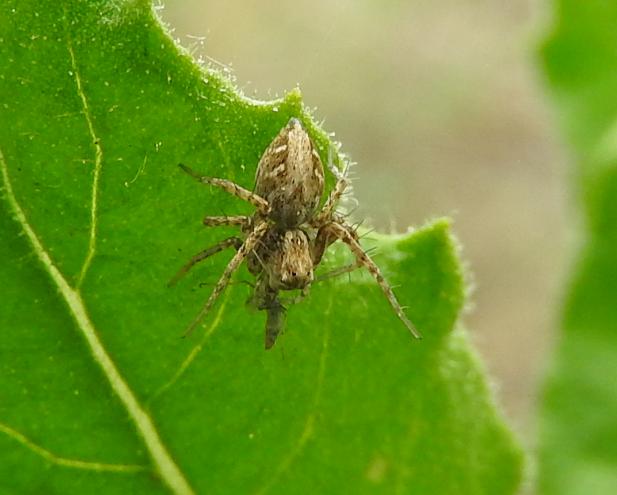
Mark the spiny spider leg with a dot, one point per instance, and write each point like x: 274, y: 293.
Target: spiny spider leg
x: 231, y: 282
x: 338, y: 271
x: 335, y: 195
x: 217, y: 221
x: 249, y: 243
x: 341, y: 270
x: 232, y: 188
x: 343, y: 233
x: 326, y: 236
x: 236, y: 242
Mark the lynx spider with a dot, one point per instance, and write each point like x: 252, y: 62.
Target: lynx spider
x: 285, y: 239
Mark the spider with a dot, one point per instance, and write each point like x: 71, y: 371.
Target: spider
x: 285, y: 239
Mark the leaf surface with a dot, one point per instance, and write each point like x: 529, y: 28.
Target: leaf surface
x: 98, y: 392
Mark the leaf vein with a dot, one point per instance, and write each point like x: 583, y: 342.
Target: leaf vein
x: 98, y: 161
x: 309, y: 424
x: 164, y: 463
x: 191, y: 355
x: 66, y: 462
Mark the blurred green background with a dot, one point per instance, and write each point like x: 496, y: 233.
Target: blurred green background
x: 441, y: 105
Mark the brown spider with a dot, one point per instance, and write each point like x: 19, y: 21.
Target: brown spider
x: 286, y: 237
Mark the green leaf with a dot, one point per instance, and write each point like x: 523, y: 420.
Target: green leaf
x: 579, y: 431
x: 97, y: 391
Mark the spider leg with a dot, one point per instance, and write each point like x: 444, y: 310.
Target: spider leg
x: 236, y: 242
x: 247, y: 246
x: 237, y: 282
x: 326, y: 236
x: 339, y: 231
x: 335, y: 195
x: 338, y: 271
x: 218, y: 221
x: 232, y: 188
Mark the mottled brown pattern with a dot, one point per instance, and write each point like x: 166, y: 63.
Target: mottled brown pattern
x: 286, y: 237
x: 242, y: 221
x: 290, y: 176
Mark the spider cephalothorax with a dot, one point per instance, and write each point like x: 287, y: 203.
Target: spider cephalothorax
x: 283, y: 259
x: 286, y: 237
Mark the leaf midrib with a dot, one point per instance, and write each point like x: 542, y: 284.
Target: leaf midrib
x: 162, y: 460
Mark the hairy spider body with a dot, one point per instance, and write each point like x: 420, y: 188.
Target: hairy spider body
x: 284, y: 259
x: 290, y: 177
x: 286, y: 237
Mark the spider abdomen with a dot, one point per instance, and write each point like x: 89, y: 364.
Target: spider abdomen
x: 290, y: 176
